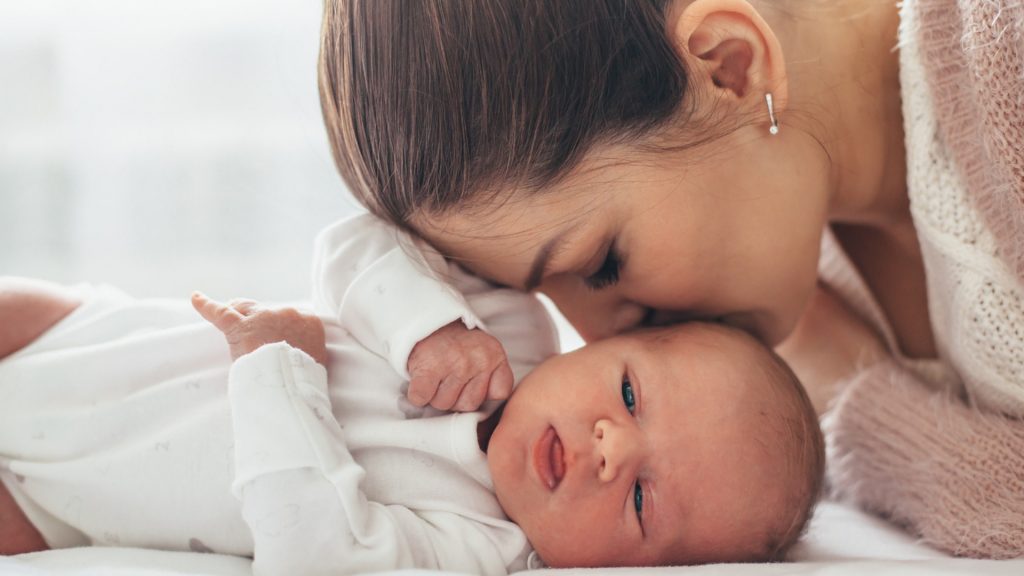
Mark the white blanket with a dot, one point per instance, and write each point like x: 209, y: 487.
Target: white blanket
x: 841, y: 542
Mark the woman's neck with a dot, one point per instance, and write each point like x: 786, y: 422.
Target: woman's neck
x: 844, y: 90
x: 844, y: 72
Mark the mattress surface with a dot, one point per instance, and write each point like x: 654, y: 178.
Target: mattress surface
x: 841, y: 541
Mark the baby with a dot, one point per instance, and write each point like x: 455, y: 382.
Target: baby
x: 676, y: 445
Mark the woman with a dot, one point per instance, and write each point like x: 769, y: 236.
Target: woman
x: 655, y: 161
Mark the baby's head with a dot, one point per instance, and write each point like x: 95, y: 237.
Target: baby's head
x: 680, y: 445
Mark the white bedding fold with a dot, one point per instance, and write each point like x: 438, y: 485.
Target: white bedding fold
x: 841, y: 542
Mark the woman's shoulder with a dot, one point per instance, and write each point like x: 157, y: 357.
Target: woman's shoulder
x: 969, y: 54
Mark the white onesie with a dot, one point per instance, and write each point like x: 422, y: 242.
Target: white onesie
x: 126, y: 424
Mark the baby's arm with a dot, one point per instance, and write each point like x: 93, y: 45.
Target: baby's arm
x: 384, y: 288
x: 300, y: 488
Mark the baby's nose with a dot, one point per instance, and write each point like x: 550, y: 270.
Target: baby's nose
x: 617, y: 449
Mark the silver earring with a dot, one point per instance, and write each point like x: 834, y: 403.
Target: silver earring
x: 774, y: 128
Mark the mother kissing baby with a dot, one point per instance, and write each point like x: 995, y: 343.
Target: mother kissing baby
x: 769, y: 164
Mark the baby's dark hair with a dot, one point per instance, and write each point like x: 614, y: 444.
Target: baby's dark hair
x: 436, y: 105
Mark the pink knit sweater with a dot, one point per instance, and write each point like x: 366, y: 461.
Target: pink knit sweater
x: 938, y: 445
x: 973, y: 51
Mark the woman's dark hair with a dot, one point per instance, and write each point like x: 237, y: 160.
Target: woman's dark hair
x: 438, y: 104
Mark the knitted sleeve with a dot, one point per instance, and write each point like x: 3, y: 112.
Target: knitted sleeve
x: 950, y: 473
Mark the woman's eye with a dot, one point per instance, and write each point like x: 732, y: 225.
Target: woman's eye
x: 627, y: 395
x: 638, y: 500
x: 608, y: 273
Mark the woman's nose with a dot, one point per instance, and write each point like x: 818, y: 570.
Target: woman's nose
x: 629, y: 315
x: 617, y: 449
x: 594, y: 315
x: 609, y: 321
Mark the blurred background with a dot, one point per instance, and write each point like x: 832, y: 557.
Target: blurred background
x: 164, y: 146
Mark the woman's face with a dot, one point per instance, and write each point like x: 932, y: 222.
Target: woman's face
x: 730, y: 234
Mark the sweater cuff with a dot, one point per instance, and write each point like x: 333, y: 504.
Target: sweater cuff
x: 923, y: 458
x: 396, y: 303
x: 276, y: 394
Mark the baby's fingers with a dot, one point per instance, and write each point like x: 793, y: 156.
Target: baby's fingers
x: 473, y: 394
x: 501, y: 382
x: 243, y: 306
x: 223, y: 317
x: 448, y: 392
x: 422, y: 387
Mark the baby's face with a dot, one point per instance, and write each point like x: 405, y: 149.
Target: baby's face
x: 643, y: 449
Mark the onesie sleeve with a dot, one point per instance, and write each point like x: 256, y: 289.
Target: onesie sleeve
x: 384, y: 287
x: 925, y: 459
x: 300, y: 487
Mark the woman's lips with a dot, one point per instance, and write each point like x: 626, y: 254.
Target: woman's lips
x: 549, y: 459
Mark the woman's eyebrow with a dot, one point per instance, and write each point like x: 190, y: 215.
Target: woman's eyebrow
x: 543, y: 258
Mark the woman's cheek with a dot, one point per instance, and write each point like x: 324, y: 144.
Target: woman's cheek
x: 591, y: 313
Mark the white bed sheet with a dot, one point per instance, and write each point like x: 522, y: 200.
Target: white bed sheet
x: 841, y: 542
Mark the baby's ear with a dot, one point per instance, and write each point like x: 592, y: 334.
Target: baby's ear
x: 731, y: 51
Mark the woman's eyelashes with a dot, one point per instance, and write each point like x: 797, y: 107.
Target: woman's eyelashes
x: 608, y: 273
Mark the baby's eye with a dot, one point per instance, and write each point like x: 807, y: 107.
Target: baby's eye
x: 638, y: 501
x: 627, y: 395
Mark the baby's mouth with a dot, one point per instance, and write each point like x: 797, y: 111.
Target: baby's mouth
x: 549, y: 459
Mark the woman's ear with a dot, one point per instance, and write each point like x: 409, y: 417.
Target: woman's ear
x: 731, y: 50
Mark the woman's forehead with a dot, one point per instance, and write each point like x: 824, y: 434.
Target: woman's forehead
x: 516, y: 236
x: 515, y: 214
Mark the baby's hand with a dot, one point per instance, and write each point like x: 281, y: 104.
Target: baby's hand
x: 457, y: 369
x: 247, y: 326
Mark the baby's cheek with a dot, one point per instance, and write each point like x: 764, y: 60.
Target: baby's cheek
x: 585, y: 535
